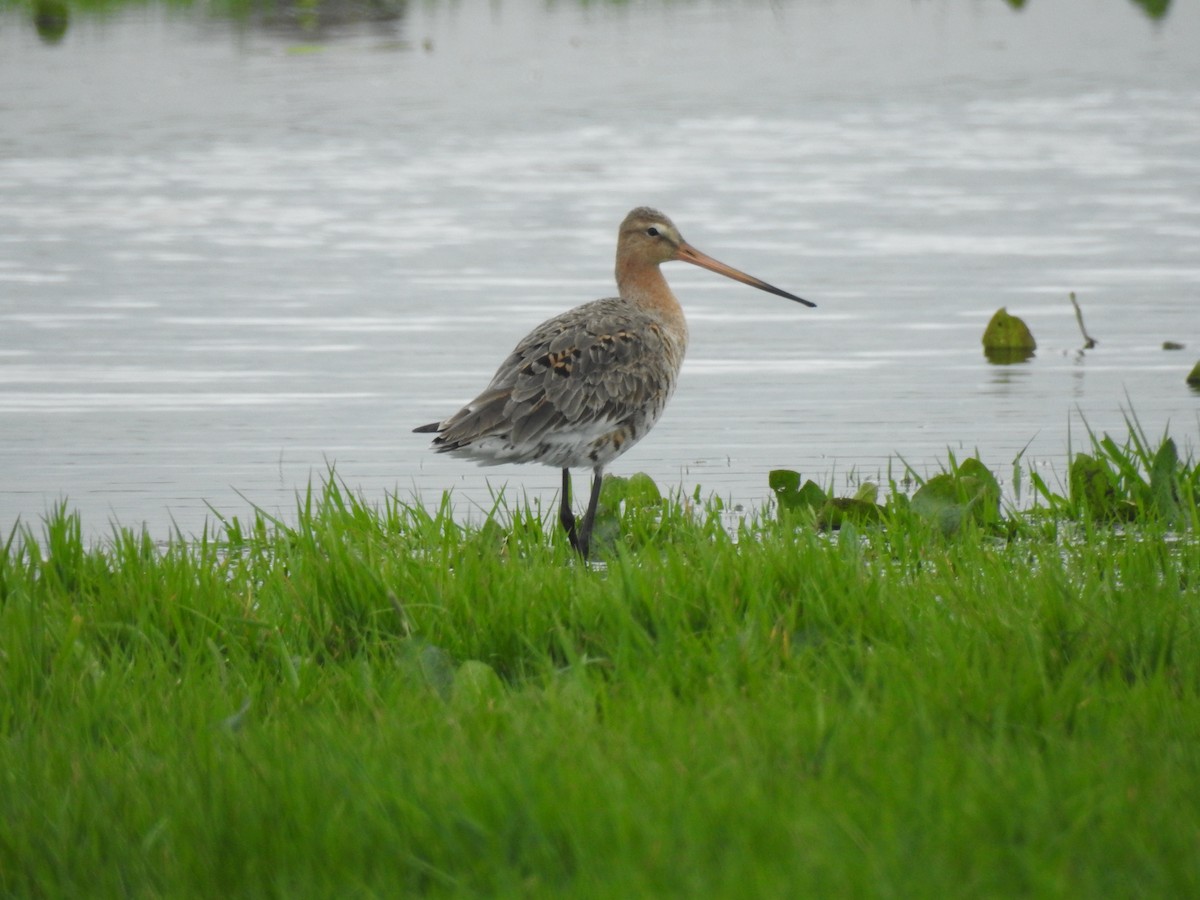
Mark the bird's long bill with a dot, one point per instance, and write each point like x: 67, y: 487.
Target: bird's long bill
x: 688, y: 253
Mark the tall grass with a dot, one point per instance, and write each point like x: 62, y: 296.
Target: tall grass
x: 380, y: 701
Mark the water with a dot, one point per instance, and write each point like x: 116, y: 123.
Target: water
x: 233, y: 254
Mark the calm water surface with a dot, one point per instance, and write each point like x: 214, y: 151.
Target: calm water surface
x: 232, y: 254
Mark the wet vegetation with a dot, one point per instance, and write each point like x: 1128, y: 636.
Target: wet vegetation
x: 940, y: 696
x: 1135, y: 481
x: 309, y: 19
x: 314, y: 18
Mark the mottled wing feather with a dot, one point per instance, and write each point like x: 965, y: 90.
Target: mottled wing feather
x: 483, y: 415
x: 606, y: 366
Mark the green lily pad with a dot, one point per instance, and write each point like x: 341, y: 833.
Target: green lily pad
x: 1155, y: 9
x: 1092, y: 487
x: 969, y: 493
x: 636, y: 492
x: 840, y: 510
x: 620, y: 496
x: 1164, y: 496
x: 982, y: 487
x: 1007, y: 339
x: 868, y: 492
x: 937, y: 497
x: 51, y: 19
x: 1194, y: 376
x: 792, y: 495
x: 784, y: 481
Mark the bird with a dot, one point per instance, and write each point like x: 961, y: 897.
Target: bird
x: 586, y: 385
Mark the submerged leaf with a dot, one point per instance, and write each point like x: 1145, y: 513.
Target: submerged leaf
x: 1007, y: 356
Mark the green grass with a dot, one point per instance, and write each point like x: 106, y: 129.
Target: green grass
x: 381, y: 702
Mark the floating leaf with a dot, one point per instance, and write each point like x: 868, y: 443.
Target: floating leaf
x: 51, y: 18
x: 492, y: 533
x: 1164, y: 496
x: 1155, y: 9
x: 620, y: 496
x: 606, y: 530
x: 784, y: 481
x: 1092, y: 487
x: 868, y: 492
x: 1007, y: 339
x: 791, y: 495
x: 1194, y: 376
x: 811, y: 494
x: 981, y: 489
x: 1008, y: 332
x: 938, y: 501
x: 970, y: 492
x: 839, y: 511
x: 636, y: 492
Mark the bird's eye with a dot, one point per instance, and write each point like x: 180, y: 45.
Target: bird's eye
x: 652, y: 231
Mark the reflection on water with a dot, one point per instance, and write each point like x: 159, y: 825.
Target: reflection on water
x: 1008, y: 356
x: 321, y: 20
x: 51, y: 19
x: 226, y: 265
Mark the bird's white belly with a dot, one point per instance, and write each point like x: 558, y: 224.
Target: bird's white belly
x: 587, y: 445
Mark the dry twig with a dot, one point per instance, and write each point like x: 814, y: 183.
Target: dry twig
x: 1088, y: 341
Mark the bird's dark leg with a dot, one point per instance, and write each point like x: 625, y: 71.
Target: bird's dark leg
x: 589, y: 517
x: 564, y: 510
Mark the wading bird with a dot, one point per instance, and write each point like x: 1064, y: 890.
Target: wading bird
x: 585, y: 386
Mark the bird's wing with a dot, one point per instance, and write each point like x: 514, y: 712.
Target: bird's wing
x: 591, y: 369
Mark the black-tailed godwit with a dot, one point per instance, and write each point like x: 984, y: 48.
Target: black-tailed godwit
x: 585, y: 386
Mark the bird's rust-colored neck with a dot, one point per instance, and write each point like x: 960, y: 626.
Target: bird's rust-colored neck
x: 644, y: 284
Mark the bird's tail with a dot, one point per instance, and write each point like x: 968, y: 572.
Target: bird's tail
x: 431, y: 427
